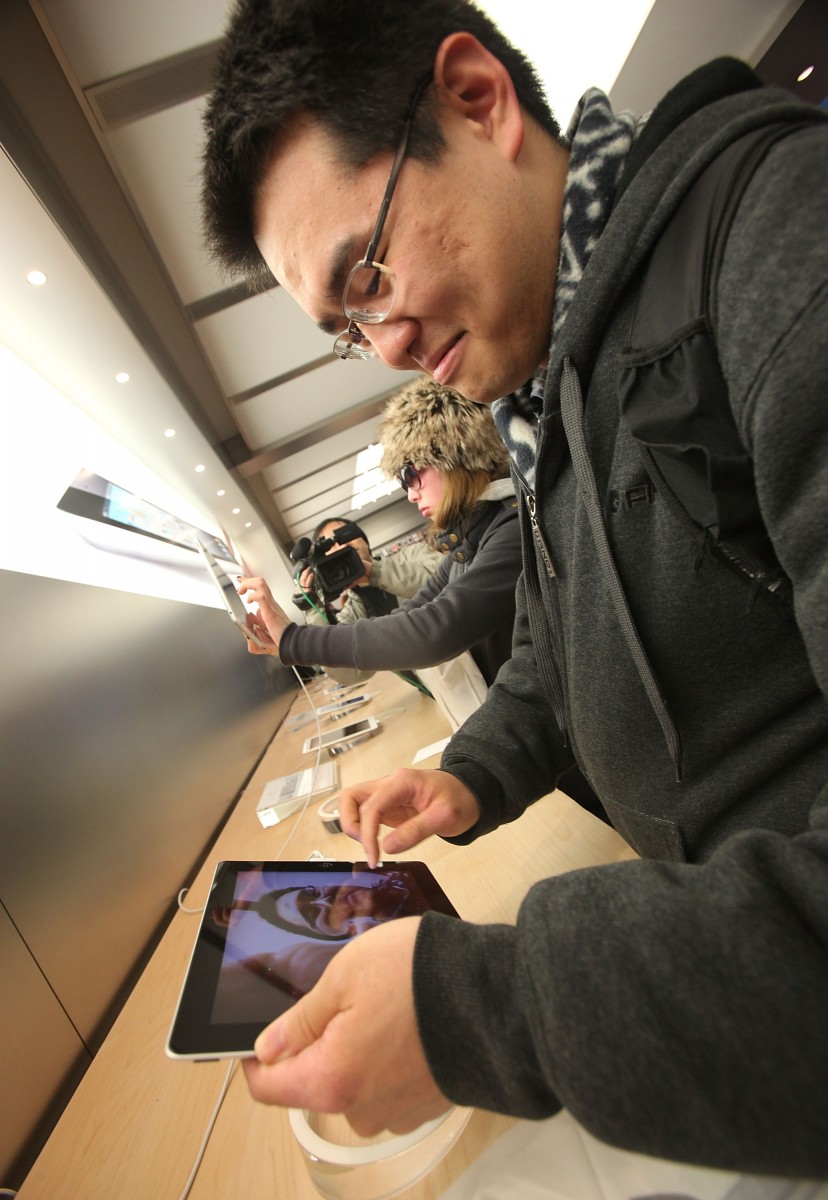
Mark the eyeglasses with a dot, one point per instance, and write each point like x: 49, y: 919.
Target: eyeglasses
x: 369, y: 291
x: 409, y: 477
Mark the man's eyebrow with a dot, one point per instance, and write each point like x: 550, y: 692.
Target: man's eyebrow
x: 329, y: 325
x: 342, y: 259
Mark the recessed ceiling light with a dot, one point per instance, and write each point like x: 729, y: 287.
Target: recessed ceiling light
x: 804, y: 74
x: 36, y: 278
x: 247, y: 524
x: 236, y: 511
x: 169, y: 433
x: 122, y: 377
x: 201, y: 467
x: 220, y: 492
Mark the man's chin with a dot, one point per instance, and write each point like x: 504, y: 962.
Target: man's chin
x: 482, y: 388
x: 478, y: 395
x: 489, y: 390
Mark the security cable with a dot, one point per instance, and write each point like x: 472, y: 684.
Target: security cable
x: 235, y: 1062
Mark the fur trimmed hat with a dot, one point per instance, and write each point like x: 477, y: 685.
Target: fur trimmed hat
x: 432, y: 426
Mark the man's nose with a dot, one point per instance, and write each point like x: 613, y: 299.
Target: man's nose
x: 391, y: 341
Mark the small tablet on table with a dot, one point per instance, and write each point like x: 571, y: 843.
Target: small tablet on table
x: 267, y: 933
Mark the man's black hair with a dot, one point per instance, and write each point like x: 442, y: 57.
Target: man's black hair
x: 353, y: 67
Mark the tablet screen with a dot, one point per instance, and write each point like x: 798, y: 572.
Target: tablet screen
x: 267, y: 932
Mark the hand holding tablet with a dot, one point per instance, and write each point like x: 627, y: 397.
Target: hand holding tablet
x: 225, y: 579
x: 352, y: 1046
x: 267, y: 933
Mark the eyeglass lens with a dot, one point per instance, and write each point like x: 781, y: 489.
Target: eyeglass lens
x: 409, y: 477
x: 369, y: 293
x: 353, y: 344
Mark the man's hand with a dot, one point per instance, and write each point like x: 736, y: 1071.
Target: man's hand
x: 414, y: 803
x: 351, y: 1045
x: 274, y: 618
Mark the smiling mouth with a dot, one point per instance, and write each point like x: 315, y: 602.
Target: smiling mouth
x: 440, y: 367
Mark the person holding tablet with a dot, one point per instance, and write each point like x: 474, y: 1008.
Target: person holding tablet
x: 645, y: 303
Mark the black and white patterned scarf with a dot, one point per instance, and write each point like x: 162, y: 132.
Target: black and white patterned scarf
x: 599, y: 142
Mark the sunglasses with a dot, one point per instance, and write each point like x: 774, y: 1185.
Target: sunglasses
x: 409, y: 477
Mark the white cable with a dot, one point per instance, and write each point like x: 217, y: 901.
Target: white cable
x: 200, y: 1155
x: 182, y: 905
x: 234, y: 1063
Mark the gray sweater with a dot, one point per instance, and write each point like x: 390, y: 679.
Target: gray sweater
x: 677, y: 1005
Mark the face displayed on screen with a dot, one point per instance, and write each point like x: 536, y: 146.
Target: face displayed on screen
x: 279, y: 940
x: 324, y: 912
x: 338, y: 911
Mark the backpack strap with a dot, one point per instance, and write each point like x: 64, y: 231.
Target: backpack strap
x: 672, y: 392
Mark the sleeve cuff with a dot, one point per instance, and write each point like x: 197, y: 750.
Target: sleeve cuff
x: 477, y: 1044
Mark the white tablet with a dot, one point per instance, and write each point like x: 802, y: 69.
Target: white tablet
x: 226, y: 580
x: 354, y: 731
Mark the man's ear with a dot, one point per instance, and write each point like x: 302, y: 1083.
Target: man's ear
x: 475, y: 84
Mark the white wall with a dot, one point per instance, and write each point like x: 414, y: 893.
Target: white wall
x: 574, y: 45
x: 48, y: 440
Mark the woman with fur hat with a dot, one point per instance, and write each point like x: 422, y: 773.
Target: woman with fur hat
x: 451, y: 460
x: 386, y: 583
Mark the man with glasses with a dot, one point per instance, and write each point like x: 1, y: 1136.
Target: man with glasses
x: 645, y: 305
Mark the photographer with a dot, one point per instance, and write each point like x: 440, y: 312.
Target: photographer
x: 453, y: 464
x: 385, y: 583
x: 330, y: 591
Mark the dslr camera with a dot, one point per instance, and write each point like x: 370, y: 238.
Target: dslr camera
x: 332, y: 573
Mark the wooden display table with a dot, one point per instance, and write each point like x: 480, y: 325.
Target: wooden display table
x: 135, y: 1124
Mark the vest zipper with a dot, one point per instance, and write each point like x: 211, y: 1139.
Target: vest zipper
x: 540, y: 542
x: 543, y: 635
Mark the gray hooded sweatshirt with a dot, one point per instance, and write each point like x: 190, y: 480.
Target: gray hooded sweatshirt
x: 677, y: 1005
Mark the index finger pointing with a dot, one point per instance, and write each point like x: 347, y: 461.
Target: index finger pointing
x: 360, y: 822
